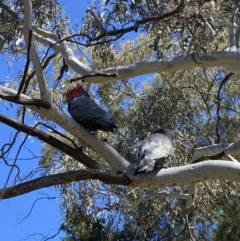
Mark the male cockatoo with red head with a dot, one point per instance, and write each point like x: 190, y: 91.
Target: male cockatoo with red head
x: 86, y: 112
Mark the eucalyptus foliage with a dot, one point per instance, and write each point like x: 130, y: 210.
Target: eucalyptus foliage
x: 200, y: 105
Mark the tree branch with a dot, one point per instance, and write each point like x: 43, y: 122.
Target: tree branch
x: 92, y: 75
x: 192, y: 196
x: 45, y: 33
x: 185, y: 175
x: 23, y: 101
x: 211, y: 150
x: 44, y: 93
x: 229, y: 58
x: 106, y: 176
x: 174, y: 176
x: 221, y: 58
x: 51, y: 140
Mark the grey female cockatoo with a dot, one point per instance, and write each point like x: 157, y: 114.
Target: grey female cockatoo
x: 86, y: 112
x: 154, y: 150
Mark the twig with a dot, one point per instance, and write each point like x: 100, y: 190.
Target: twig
x: 51, y: 140
x: 189, y: 228
x: 10, y: 165
x: 38, y: 199
x: 177, y: 235
x: 59, y: 133
x: 45, y: 238
x: 14, y: 164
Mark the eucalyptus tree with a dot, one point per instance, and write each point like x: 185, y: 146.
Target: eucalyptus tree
x: 190, y: 51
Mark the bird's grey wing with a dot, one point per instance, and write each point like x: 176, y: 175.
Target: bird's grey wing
x: 86, y: 107
x: 159, y: 146
x: 142, y: 148
x: 145, y: 164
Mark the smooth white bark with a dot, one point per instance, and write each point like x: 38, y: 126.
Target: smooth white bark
x: 211, y: 150
x: 45, y: 33
x: 47, y: 42
x: 230, y: 59
x: 232, y: 148
x: 230, y: 158
x: 73, y: 61
x: 186, y: 175
x: 44, y: 93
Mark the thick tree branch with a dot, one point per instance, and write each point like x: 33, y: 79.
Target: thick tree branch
x: 106, y: 176
x: 44, y: 33
x: 23, y: 101
x: 44, y: 93
x: 73, y: 61
x: 51, y: 140
x: 185, y: 175
x: 211, y: 150
x: 216, y: 151
x: 174, y: 176
x: 214, y: 59
x: 50, y: 43
x: 229, y: 58
x: 92, y: 75
x: 64, y: 47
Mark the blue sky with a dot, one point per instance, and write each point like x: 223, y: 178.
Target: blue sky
x: 45, y: 217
